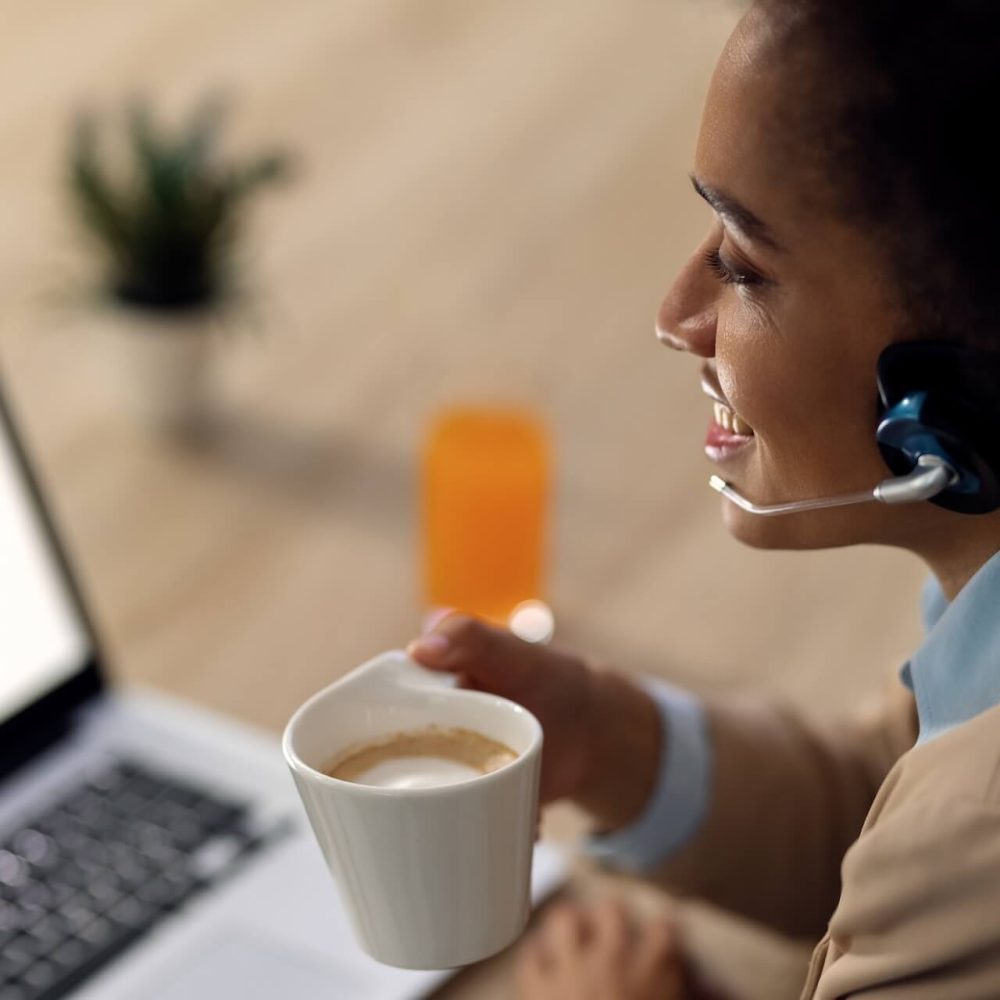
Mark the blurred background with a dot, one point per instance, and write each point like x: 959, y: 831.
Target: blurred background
x: 485, y: 202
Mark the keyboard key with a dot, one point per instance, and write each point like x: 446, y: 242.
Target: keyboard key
x: 146, y: 786
x: 13, y: 870
x: 168, y: 889
x: 66, y: 832
x: 184, y: 831
x: 186, y: 798
x: 131, y: 872
x: 42, y: 975
x: 36, y: 895
x: 38, y: 849
x: 98, y: 933
x: 61, y: 894
x: 16, y: 957
x: 70, y: 875
x: 104, y: 891
x: 162, y: 856
x: 71, y: 953
x: 46, y: 934
x: 10, y: 918
x: 93, y: 852
x: 78, y: 912
x: 145, y: 836
x: 132, y: 912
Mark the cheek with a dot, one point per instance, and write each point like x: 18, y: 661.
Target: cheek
x: 801, y: 383
x: 763, y: 370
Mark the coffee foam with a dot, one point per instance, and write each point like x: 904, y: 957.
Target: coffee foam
x: 421, y: 758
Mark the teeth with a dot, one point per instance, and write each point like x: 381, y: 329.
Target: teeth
x: 728, y: 421
x: 722, y: 416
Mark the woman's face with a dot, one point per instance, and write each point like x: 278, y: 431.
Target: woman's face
x: 793, y: 342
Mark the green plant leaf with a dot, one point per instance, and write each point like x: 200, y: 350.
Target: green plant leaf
x: 171, y: 227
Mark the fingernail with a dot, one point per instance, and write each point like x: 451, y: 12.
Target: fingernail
x: 432, y: 618
x: 431, y: 646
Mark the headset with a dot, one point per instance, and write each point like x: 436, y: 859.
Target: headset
x: 938, y: 431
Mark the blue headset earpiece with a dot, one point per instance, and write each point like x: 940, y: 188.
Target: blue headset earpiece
x: 943, y: 399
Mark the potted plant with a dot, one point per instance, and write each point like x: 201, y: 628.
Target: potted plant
x: 166, y: 223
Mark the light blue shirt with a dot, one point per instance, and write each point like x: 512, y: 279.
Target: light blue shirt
x: 954, y: 676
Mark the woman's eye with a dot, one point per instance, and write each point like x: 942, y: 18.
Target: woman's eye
x: 729, y: 275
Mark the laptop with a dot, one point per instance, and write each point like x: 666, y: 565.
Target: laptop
x: 149, y: 848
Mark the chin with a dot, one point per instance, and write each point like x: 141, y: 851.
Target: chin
x: 827, y: 529
x: 758, y: 532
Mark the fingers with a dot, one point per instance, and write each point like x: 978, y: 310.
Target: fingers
x: 551, y: 962
x: 658, y: 966
x: 612, y: 930
x: 565, y: 931
x: 533, y: 981
x: 560, y: 937
x: 490, y: 656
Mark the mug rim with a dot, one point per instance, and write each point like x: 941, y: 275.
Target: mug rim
x: 523, y: 759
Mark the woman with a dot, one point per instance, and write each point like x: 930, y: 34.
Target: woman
x: 854, y: 203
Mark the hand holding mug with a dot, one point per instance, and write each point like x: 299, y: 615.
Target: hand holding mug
x: 557, y: 688
x: 602, y: 732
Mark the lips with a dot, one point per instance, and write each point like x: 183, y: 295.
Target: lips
x: 721, y: 444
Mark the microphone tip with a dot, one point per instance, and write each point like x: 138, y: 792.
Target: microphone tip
x: 717, y: 483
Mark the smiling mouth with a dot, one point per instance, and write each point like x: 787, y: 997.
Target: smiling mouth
x: 726, y: 418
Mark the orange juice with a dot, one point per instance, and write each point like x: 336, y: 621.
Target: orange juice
x: 485, y: 487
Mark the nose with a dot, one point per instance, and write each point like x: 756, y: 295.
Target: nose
x: 687, y: 317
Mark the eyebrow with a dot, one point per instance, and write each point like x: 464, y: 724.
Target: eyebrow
x: 739, y: 215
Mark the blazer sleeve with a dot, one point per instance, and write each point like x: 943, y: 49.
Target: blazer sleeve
x: 788, y: 798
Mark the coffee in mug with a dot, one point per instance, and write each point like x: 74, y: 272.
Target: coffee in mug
x: 421, y: 758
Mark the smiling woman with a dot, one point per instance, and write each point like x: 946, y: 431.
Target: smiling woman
x: 844, y: 309
x: 810, y: 275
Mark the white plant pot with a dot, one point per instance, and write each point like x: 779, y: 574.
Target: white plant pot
x: 159, y: 366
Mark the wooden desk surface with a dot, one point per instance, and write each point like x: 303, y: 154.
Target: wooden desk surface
x: 491, y: 199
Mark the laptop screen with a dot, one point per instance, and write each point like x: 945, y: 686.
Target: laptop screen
x: 42, y: 638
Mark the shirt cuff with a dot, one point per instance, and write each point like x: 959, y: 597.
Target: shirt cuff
x: 680, y: 799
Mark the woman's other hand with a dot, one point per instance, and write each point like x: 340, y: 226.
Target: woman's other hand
x: 598, y: 954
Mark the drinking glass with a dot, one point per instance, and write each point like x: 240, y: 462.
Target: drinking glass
x: 485, y: 497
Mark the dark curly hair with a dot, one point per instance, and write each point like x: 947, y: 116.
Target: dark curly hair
x: 899, y: 100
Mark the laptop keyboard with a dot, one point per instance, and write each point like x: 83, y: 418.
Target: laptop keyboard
x: 100, y: 867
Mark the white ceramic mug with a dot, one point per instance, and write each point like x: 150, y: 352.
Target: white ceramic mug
x: 431, y: 877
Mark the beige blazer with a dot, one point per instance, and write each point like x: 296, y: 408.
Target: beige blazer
x: 890, y: 851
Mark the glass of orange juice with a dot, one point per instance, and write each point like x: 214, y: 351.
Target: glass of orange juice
x: 485, y: 497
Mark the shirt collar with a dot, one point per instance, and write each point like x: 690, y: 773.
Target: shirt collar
x: 955, y: 674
